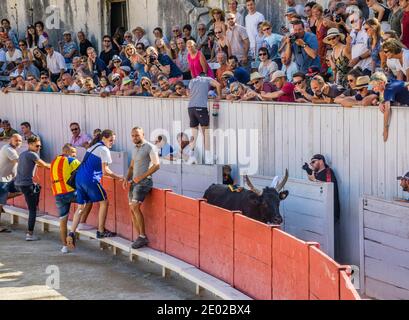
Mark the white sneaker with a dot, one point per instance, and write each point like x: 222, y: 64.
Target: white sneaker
x: 64, y: 250
x: 31, y: 237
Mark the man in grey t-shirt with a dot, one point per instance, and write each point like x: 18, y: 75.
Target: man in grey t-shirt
x: 24, y: 181
x: 8, y: 169
x: 198, y: 113
x: 144, y: 163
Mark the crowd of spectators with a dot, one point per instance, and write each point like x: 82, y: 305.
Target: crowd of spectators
x: 353, y: 52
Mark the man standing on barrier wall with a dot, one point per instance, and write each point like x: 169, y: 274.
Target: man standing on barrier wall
x: 24, y: 181
x: 61, y: 169
x: 144, y: 163
x: 8, y: 169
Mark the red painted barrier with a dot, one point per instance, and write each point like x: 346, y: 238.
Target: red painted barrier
x: 252, y: 257
x: 290, y: 267
x: 154, y: 213
x: 324, y: 276
x: 347, y: 290
x: 123, y: 217
x: 216, y: 242
x: 109, y: 185
x: 49, y: 199
x: 182, y: 228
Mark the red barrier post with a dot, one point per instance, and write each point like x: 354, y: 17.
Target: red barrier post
x: 49, y: 199
x: 123, y: 219
x: 346, y: 289
x: 109, y: 186
x: 154, y: 213
x: 290, y: 267
x: 182, y: 228
x: 324, y: 276
x: 252, y: 257
x: 217, y: 242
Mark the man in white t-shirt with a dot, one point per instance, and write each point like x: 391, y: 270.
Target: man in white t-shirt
x: 55, y: 63
x: 397, y: 58
x: 359, y: 45
x: 253, y: 18
x: 70, y: 85
x: 8, y: 169
x: 12, y: 53
x: 233, y: 9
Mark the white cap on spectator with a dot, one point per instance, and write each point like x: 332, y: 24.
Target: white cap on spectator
x: 277, y: 74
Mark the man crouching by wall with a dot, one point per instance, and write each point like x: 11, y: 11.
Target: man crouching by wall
x: 144, y: 163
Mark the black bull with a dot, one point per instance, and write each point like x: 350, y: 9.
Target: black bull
x: 263, y: 205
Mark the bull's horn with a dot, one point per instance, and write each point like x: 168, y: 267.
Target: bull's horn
x: 251, y: 186
x: 281, y: 185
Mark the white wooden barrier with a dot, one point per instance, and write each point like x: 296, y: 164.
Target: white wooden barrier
x: 188, y: 180
x: 308, y: 211
x: 288, y: 135
x: 384, y: 246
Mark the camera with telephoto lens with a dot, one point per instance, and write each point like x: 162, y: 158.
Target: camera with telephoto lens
x: 292, y: 38
x: 152, y: 59
x: 307, y: 168
x: 338, y: 18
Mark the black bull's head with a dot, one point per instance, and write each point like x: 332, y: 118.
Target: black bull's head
x: 265, y: 205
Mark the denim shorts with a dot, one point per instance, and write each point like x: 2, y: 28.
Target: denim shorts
x: 63, y: 203
x: 5, y: 189
x: 138, y: 192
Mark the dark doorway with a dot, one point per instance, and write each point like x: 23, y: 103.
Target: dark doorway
x: 119, y: 17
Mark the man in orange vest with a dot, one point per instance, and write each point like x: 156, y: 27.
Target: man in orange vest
x: 61, y: 169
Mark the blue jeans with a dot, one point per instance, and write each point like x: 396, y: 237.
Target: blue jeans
x: 32, y: 196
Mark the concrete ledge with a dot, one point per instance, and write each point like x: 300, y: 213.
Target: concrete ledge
x: 201, y: 279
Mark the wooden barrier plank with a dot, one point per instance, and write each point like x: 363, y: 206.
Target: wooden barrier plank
x: 347, y: 290
x: 384, y: 291
x: 216, y: 242
x: 252, y: 257
x: 182, y: 228
x: 387, y: 271
x: 323, y: 275
x: 154, y: 212
x: 123, y: 218
x: 290, y: 267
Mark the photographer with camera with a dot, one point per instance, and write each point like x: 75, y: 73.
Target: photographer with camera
x: 162, y: 64
x: 45, y: 84
x: 318, y: 170
x: 303, y: 45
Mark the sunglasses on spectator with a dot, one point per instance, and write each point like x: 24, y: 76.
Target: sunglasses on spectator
x: 116, y: 79
x: 314, y: 161
x: 175, y: 30
x: 74, y: 129
x: 30, y: 79
x: 145, y: 83
x: 262, y: 54
x: 218, y: 32
x: 351, y: 80
x: 38, y: 146
x: 298, y: 82
x: 44, y: 78
x: 139, y: 48
x: 331, y: 38
x: 360, y: 89
x: 22, y: 44
x: 178, y: 88
x: 266, y: 29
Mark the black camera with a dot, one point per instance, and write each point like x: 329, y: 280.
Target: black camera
x: 152, y: 59
x: 292, y: 38
x: 338, y: 18
x: 307, y: 168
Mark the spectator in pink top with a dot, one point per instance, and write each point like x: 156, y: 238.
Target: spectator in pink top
x: 79, y: 139
x: 197, y: 61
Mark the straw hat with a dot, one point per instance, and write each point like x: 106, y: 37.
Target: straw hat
x: 332, y: 33
x: 362, y: 82
x: 255, y: 76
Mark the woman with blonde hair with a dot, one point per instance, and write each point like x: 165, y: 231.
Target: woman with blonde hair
x: 146, y: 88
x: 374, y: 31
x: 161, y: 46
x: 197, y: 61
x: 218, y: 19
x: 137, y: 56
